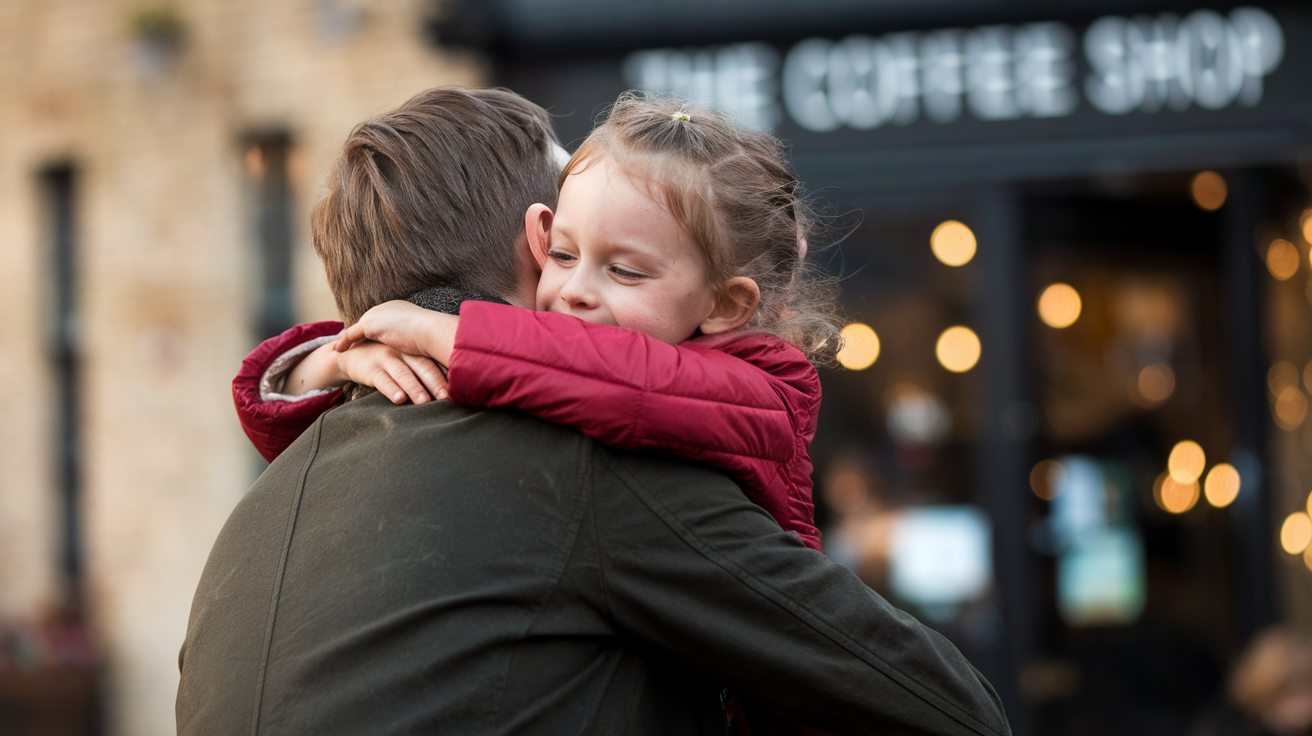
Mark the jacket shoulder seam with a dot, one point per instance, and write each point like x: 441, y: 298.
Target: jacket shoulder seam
x: 567, y: 552
x: 292, y: 514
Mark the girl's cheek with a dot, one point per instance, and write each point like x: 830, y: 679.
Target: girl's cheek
x: 545, y: 292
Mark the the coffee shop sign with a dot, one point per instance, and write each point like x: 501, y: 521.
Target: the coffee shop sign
x: 997, y: 72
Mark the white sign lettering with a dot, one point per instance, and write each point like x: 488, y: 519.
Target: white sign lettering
x: 996, y: 72
x: 739, y: 80
x: 1206, y: 59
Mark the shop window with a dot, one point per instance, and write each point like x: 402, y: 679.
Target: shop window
x: 1075, y: 381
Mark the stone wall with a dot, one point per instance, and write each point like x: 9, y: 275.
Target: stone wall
x: 151, y: 103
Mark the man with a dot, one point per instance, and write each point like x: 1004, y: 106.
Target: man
x: 435, y: 569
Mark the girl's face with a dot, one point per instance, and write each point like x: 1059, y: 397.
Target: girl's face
x: 617, y: 257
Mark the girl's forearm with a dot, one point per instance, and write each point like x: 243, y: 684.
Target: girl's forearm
x: 437, y: 338
x: 318, y: 370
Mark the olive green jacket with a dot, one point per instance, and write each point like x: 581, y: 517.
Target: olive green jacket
x: 439, y: 570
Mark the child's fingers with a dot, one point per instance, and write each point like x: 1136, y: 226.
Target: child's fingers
x: 389, y: 388
x: 401, y: 374
x: 429, y: 373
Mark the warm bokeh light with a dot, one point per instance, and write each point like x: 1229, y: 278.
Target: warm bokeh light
x: 1156, y: 383
x: 1282, y: 259
x: 1307, y: 557
x: 1290, y: 408
x: 1186, y: 462
x: 845, y: 491
x: 1222, y: 485
x: 1305, y: 224
x: 958, y: 349
x: 953, y: 243
x: 256, y: 165
x: 1208, y: 190
x: 1059, y: 306
x: 1173, y: 497
x: 1281, y: 376
x: 860, y: 347
x: 1296, y: 532
x: 1045, y: 479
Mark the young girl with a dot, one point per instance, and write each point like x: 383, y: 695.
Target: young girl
x: 675, y: 311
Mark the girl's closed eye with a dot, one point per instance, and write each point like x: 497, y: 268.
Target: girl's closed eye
x: 627, y: 274
x: 561, y: 257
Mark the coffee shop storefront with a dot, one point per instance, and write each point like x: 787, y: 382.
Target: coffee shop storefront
x: 1072, y: 428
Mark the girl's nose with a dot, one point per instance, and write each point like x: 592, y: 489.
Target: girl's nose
x: 578, y: 292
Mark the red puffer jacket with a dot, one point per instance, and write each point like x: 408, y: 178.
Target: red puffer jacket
x: 743, y: 403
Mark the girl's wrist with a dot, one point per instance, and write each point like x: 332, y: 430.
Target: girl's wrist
x: 440, y: 338
x: 320, y: 369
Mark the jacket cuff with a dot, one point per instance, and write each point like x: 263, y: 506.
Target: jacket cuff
x: 274, y: 378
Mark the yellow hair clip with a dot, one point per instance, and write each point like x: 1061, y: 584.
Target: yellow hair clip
x: 681, y: 115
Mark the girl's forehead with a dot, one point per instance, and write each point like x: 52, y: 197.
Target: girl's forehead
x: 609, y: 205
x: 602, y: 189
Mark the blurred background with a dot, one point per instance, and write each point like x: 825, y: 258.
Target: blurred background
x: 1070, y: 430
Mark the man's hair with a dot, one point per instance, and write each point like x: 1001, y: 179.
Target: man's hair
x: 434, y: 193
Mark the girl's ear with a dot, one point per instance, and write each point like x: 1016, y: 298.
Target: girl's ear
x: 734, y: 305
x: 537, y: 226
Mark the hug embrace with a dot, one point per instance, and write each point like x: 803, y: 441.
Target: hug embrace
x: 579, y: 499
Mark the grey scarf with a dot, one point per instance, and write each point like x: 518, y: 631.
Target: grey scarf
x: 447, y: 299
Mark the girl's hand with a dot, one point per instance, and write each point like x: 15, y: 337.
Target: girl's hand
x: 397, y: 375
x: 407, y: 328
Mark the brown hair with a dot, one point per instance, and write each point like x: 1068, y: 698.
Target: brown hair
x: 732, y: 192
x: 434, y: 193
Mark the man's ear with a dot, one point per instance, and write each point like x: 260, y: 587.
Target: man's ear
x: 537, y: 226
x: 735, y: 303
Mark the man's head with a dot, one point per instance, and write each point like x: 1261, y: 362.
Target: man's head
x: 433, y: 193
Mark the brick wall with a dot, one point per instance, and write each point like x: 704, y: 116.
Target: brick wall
x: 166, y: 264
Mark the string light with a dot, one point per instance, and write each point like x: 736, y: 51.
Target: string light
x: 1280, y: 376
x: 1296, y: 532
x: 953, y: 243
x: 1290, y: 408
x: 1059, y: 306
x: 860, y: 347
x: 1222, y: 485
x: 1156, y: 383
x: 958, y: 349
x: 1282, y: 259
x: 1174, y: 497
x: 1208, y: 190
x: 1186, y: 462
x: 256, y: 164
x: 1045, y: 479
x: 846, y: 491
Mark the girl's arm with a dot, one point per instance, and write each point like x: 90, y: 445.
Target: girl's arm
x: 271, y: 418
x: 621, y: 387
x: 289, y: 380
x: 743, y: 403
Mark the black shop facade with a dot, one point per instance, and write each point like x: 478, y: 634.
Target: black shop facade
x: 1150, y: 160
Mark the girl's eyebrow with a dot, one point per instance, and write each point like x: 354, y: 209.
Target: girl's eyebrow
x: 635, y: 249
